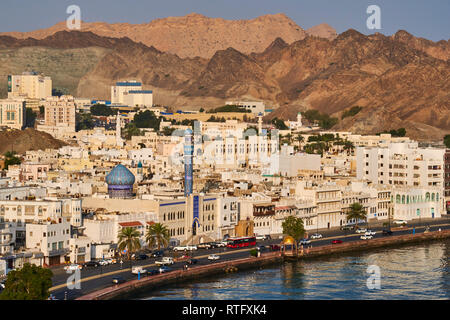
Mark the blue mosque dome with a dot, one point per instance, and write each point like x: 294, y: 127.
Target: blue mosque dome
x: 120, y: 176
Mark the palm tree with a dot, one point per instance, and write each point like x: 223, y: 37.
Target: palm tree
x: 157, y: 234
x: 129, y: 239
x: 356, y: 212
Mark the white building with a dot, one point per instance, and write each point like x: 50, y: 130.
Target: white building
x: 130, y: 93
x: 401, y: 164
x: 30, y: 85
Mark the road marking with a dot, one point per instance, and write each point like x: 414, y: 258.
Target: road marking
x: 60, y: 286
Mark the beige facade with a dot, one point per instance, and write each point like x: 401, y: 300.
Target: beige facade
x: 12, y: 113
x: 59, y: 115
x: 29, y: 84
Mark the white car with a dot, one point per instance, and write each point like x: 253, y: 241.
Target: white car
x: 361, y: 231
x: 213, y: 257
x: 185, y: 248
x: 305, y: 242
x: 103, y: 262
x: 400, y: 222
x: 73, y: 267
x: 316, y: 236
x: 137, y: 270
x: 221, y: 244
x: 366, y: 237
x: 370, y: 233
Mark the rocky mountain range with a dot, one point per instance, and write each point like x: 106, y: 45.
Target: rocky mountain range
x: 399, y: 80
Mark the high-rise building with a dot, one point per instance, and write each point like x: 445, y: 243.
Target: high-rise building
x: 29, y: 85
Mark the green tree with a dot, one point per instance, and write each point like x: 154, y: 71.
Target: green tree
x: 11, y: 159
x: 146, y: 119
x: 131, y: 130
x: 279, y: 124
x: 447, y: 140
x: 157, y: 234
x: 356, y: 212
x: 293, y: 226
x: 202, y: 110
x: 102, y: 110
x: 84, y: 121
x: 41, y: 110
x: 30, y: 117
x: 29, y: 283
x: 129, y: 239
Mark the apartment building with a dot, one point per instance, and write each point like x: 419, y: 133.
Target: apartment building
x: 13, y: 113
x: 401, y: 164
x: 29, y: 84
x: 59, y: 116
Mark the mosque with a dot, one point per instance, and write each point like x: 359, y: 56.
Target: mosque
x: 120, y: 182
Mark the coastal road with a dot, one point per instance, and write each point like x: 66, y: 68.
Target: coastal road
x: 95, y: 278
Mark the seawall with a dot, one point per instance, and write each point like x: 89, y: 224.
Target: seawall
x: 130, y: 288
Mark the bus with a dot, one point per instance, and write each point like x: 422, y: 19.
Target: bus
x: 241, y: 242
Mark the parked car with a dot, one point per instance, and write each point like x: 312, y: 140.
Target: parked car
x: 275, y: 247
x: 304, y: 242
x: 387, y: 232
x: 261, y: 237
x: 347, y: 227
x: 366, y: 237
x: 73, y: 267
x: 370, y: 233
x: 118, y: 280
x: 2, y: 284
x: 110, y: 261
x: 400, y: 222
x: 158, y: 254
x: 184, y: 248
x: 213, y: 245
x: 204, y: 246
x: 164, y: 269
x: 141, y: 257
x: 336, y: 241
x: 91, y: 264
x: 213, y: 257
x: 361, y: 230
x: 165, y: 261
x: 222, y: 243
x: 152, y: 272
x: 316, y: 236
x: 138, y: 269
x: 103, y: 262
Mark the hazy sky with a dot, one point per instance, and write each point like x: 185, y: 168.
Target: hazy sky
x: 423, y: 18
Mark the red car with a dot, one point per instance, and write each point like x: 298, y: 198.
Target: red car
x: 336, y: 241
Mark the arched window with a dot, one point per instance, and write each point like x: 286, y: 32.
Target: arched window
x: 403, y: 199
x: 427, y: 196
x: 432, y: 196
x: 407, y: 199
x: 397, y: 198
x: 437, y: 197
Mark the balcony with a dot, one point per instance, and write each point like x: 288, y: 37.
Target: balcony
x: 58, y: 252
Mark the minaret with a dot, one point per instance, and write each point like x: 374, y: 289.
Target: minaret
x: 119, y: 140
x: 188, y: 162
x: 299, y: 119
x: 259, y: 123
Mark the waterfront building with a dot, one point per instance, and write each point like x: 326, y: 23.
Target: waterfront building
x: 12, y: 113
x: 401, y: 164
x: 417, y: 203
